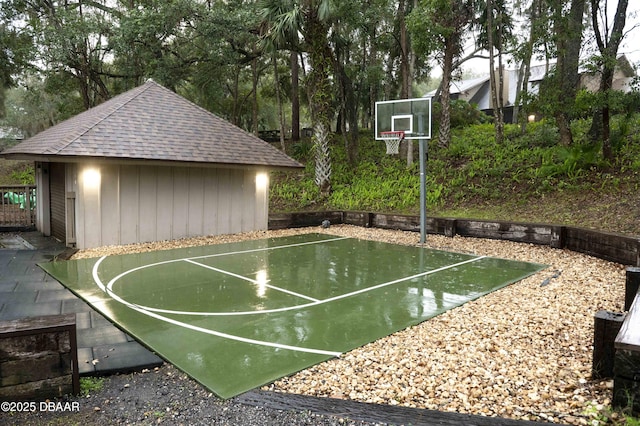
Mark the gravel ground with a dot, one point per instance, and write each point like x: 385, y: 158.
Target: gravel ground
x: 522, y: 352
x: 167, y: 396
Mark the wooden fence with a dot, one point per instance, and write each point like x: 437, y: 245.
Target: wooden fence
x: 17, y: 207
x: 617, y: 248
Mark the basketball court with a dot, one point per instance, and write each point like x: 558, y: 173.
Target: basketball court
x: 239, y: 315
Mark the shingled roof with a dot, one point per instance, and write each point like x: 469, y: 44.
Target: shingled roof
x: 151, y: 122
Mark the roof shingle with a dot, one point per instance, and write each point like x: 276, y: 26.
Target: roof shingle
x: 151, y: 122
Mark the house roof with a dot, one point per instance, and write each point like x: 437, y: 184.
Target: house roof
x: 461, y: 86
x: 153, y: 123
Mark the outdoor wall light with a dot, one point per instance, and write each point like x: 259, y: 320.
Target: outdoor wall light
x: 532, y: 118
x: 262, y: 181
x: 91, y: 178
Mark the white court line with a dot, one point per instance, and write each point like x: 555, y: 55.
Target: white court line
x: 319, y: 302
x: 268, y: 248
x: 150, y: 265
x: 222, y: 271
x: 143, y: 311
x: 154, y: 312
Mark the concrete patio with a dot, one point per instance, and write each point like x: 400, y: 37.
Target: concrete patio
x: 27, y: 291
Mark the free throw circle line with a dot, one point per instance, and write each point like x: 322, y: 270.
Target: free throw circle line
x: 157, y: 316
x: 319, y: 302
x: 329, y: 240
x: 222, y: 271
x: 164, y: 262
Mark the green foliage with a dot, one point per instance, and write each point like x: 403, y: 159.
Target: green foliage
x: 45, y: 102
x: 462, y: 114
x: 25, y: 176
x: 90, y: 384
x: 14, y: 56
x: 386, y: 186
x: 501, y: 24
x: 600, y: 415
x: 302, y: 150
x: 436, y: 23
x: 571, y: 162
x: 617, y: 101
x: 540, y: 134
x: 472, y: 170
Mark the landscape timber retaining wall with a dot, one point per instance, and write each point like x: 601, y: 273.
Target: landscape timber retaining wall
x: 38, y: 357
x: 604, y: 245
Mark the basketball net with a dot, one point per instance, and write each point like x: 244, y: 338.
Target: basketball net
x: 392, y: 140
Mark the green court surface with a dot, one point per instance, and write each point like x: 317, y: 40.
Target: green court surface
x: 236, y: 316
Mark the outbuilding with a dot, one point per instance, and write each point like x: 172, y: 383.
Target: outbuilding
x: 148, y: 165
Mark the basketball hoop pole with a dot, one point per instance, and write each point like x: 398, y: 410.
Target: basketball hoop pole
x: 423, y: 192
x: 400, y: 116
x: 423, y: 183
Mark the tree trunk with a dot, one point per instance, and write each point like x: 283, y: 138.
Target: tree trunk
x: 372, y: 62
x: 405, y: 72
x: 295, y: 98
x: 496, y: 81
x: 323, y: 159
x: 600, y: 126
x: 444, y: 134
x: 276, y: 76
x: 404, y: 52
x: 254, y: 99
x: 349, y: 106
x: 320, y: 100
x: 568, y: 31
x: 522, y: 90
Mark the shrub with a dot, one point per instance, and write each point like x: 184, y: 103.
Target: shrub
x: 462, y: 114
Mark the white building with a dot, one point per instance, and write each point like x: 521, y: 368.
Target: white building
x: 148, y: 165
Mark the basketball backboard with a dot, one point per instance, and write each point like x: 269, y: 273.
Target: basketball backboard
x: 412, y: 116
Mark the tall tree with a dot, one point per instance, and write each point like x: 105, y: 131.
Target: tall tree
x: 165, y: 40
x: 524, y: 54
x: 14, y: 56
x: 562, y: 84
x: 348, y: 36
x: 438, y: 28
x: 295, y: 96
x: 35, y: 105
x: 72, y: 39
x: 406, y: 66
x: 312, y: 19
x: 495, y: 29
x: 608, y: 41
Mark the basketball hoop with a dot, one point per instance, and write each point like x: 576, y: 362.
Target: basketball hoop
x: 392, y: 140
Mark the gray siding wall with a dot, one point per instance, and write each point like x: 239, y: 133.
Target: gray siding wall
x: 132, y: 204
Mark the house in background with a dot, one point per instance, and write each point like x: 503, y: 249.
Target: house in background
x: 148, y: 165
x: 477, y: 91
